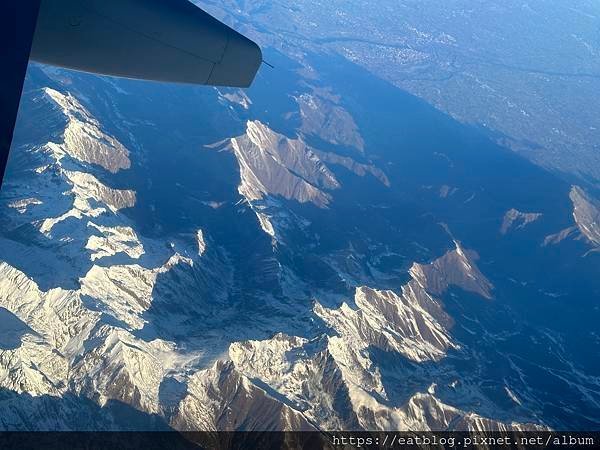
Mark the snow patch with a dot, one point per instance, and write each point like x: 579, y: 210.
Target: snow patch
x: 114, y: 240
x: 201, y: 242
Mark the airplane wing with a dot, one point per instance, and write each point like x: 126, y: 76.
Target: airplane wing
x: 161, y: 40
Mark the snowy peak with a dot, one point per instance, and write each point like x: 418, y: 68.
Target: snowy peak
x: 114, y: 240
x: 63, y: 186
x: 328, y: 376
x: 586, y: 212
x: 89, y: 198
x: 221, y: 398
x: 405, y: 324
x: 455, y: 268
x: 586, y: 215
x: 514, y: 219
x: 272, y: 164
x: 336, y: 386
x: 83, y: 138
x: 302, y: 371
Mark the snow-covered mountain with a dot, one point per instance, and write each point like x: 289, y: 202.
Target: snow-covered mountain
x: 283, y: 259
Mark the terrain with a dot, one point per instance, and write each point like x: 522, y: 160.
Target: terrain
x: 528, y: 73
x: 322, y: 251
